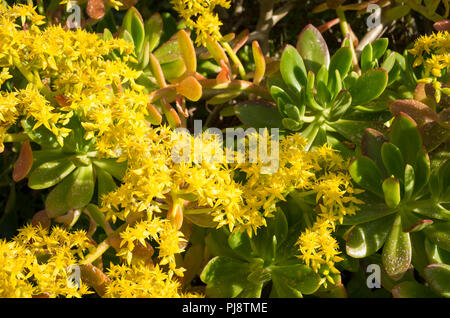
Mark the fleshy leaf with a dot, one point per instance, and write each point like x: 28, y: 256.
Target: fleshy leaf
x: 134, y: 24
x: 293, y: 69
x: 397, y: 251
x: 393, y: 160
x: 369, y: 86
x: 260, y: 63
x: 190, y: 88
x: 366, y: 174
x: 391, y: 189
x: 439, y: 233
x: 153, y: 30
x: 405, y: 135
x: 313, y: 49
x: 341, y: 61
x: 23, y: 163
x: 412, y: 289
x: 226, y: 277
x: 82, y: 189
x: 294, y: 280
x: 367, y: 238
x: 438, y: 276
x: 187, y: 51
x: 259, y: 114
x: 50, y: 173
x: 371, y: 144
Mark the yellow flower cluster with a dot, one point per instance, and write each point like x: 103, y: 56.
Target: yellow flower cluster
x: 432, y: 51
x: 140, y: 281
x: 69, y: 73
x: 58, y: 65
x: 37, y: 262
x: 199, y: 15
x: 319, y: 249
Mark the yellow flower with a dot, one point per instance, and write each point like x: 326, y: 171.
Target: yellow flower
x: 199, y: 15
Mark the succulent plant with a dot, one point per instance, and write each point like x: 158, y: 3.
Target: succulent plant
x: 397, y: 170
x: 72, y: 170
x: 243, y: 266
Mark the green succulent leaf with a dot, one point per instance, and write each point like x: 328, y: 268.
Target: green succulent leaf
x: 367, y: 238
x: 369, y: 86
x: 173, y: 69
x: 412, y: 289
x: 438, y: 276
x: 431, y: 209
x: 42, y: 156
x: 293, y: 69
x: 133, y: 23
x: 73, y: 192
x: 393, y: 160
x: 310, y: 93
x: 370, y: 212
x: 217, y: 243
x: 82, y: 188
x: 409, y: 182
x: 353, y: 130
x: 439, y: 233
x: 259, y: 114
x: 341, y: 61
x: 397, y: 251
x: 405, y: 135
x: 388, y: 65
x: 281, y: 98
x: 291, y: 281
x: 366, y: 174
x: 391, y: 190
x: 153, y: 30
x: 435, y: 254
x: 227, y: 277
x: 110, y: 165
x: 291, y: 124
x: 379, y: 46
x: 313, y: 49
x: 322, y: 75
x: 422, y: 170
x: 240, y: 243
x: 444, y: 181
x: 366, y: 58
x: 340, y: 105
x: 168, y: 52
x: 40, y: 135
x: 371, y: 144
x: 50, y: 173
x: 105, y: 183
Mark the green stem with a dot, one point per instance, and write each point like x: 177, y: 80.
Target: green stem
x: 101, y: 248
x: 16, y: 137
x: 34, y: 79
x: 105, y: 244
x: 234, y: 58
x: 345, y: 29
x: 198, y: 210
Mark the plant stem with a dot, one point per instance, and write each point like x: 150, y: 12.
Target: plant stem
x: 345, y: 29
x: 198, y: 210
x: 106, y: 243
x: 234, y: 58
x: 16, y: 137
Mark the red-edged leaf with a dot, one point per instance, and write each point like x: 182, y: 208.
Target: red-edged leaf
x: 24, y: 162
